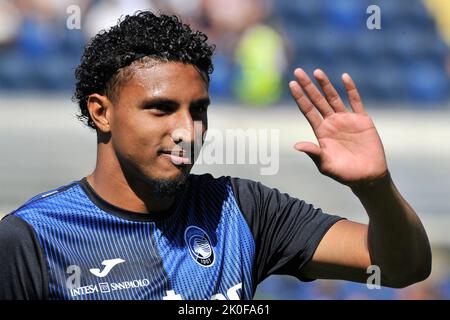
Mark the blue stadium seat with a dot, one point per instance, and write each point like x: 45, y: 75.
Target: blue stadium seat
x: 427, y: 82
x: 15, y: 71
x: 222, y: 79
x: 347, y: 15
x: 305, y: 13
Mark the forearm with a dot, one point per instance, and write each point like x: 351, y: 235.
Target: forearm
x: 397, y: 240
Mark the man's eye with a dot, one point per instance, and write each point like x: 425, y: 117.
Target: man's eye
x: 164, y: 109
x: 158, y: 112
x: 160, y: 109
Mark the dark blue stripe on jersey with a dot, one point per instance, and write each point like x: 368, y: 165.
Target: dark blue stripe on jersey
x: 73, y: 231
x: 79, y: 231
x: 212, y: 208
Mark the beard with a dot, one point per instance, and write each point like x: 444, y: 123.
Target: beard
x: 144, y: 183
x: 163, y: 188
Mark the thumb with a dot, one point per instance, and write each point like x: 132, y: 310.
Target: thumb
x: 311, y: 149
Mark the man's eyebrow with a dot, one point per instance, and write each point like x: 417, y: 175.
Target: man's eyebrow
x: 169, y: 103
x: 159, y: 102
x: 201, y: 102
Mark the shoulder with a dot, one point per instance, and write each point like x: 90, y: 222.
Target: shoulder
x: 45, y: 201
x: 14, y: 231
x: 16, y: 236
x: 17, y: 228
x: 23, y: 268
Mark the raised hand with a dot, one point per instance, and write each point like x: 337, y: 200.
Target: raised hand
x: 349, y: 148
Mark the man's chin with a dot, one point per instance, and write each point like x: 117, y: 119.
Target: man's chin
x: 168, y: 186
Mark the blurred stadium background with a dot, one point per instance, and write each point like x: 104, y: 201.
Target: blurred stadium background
x: 402, y: 71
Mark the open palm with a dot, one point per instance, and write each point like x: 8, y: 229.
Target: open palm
x: 349, y: 148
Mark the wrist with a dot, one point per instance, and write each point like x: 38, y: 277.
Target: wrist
x: 382, y: 183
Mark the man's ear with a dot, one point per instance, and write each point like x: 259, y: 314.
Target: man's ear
x: 100, y: 108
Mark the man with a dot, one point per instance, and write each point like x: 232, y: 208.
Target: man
x: 141, y: 227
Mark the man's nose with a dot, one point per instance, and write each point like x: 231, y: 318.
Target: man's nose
x: 184, y: 128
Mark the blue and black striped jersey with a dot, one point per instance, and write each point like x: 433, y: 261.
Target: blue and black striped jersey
x: 221, y: 238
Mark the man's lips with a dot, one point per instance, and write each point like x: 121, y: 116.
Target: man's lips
x: 176, y: 156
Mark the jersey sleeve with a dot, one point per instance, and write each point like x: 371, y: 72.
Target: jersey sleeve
x: 23, y: 267
x: 286, y: 230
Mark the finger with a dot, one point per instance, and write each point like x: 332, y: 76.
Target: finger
x: 353, y: 96
x: 331, y: 94
x: 313, y: 93
x: 311, y: 149
x: 305, y: 106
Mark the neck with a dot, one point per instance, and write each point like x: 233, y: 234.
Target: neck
x: 111, y: 183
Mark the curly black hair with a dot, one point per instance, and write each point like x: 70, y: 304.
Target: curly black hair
x: 144, y: 34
